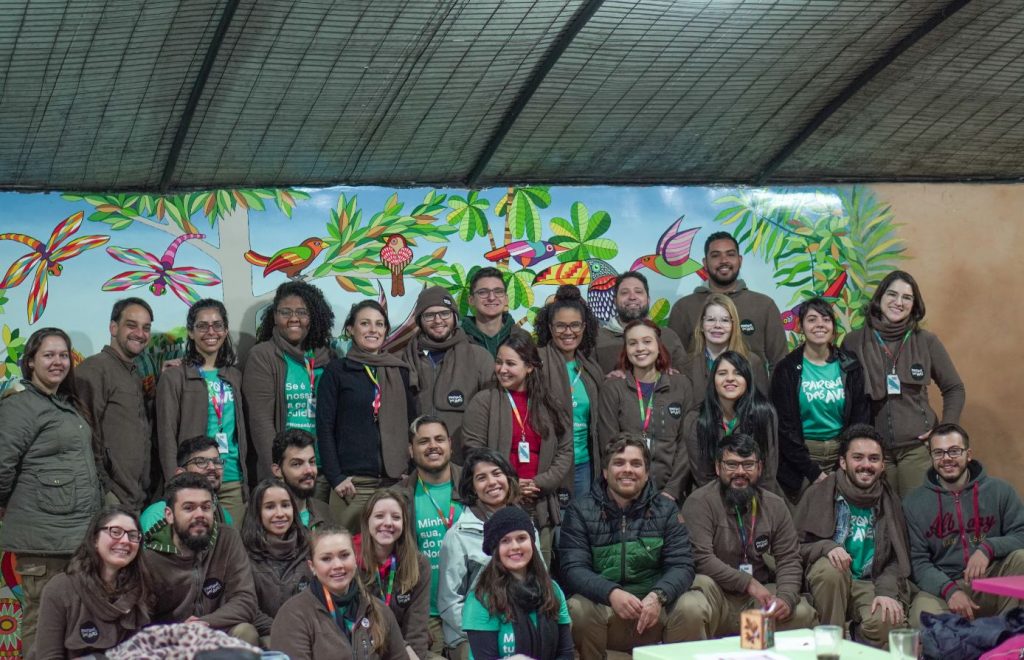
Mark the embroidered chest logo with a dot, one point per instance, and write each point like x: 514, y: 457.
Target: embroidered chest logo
x: 917, y: 371
x: 747, y: 327
x: 213, y: 588
x: 675, y: 410
x: 89, y: 632
x: 456, y: 399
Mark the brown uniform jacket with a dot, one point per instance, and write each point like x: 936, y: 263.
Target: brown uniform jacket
x: 183, y: 410
x: 277, y: 580
x: 560, y: 386
x: 718, y: 553
x: 620, y: 411
x: 411, y: 609
x: 319, y: 513
x: 488, y: 423
x: 304, y: 630
x: 609, y: 347
x: 112, y: 391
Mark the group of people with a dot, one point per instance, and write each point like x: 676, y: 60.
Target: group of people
x: 483, y: 492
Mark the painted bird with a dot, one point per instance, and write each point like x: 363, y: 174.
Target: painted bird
x: 525, y: 252
x: 791, y: 317
x: 396, y: 255
x: 598, y: 275
x: 290, y: 260
x: 672, y: 255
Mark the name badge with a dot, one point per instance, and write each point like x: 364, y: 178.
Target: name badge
x: 892, y: 384
x: 222, y: 442
x: 747, y: 568
x: 311, y: 408
x: 524, y: 452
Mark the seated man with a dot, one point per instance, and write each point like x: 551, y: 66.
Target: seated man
x: 198, y: 567
x: 733, y: 524
x: 854, y: 540
x: 294, y: 463
x: 625, y: 556
x: 198, y: 455
x: 963, y: 524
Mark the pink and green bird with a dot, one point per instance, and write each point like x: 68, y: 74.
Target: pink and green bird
x: 396, y: 255
x: 160, y: 274
x: 672, y: 256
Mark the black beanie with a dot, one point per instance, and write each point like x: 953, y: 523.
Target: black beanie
x: 435, y: 296
x: 505, y: 521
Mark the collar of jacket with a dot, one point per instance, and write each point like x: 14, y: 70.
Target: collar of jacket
x: 600, y: 492
x: 161, y: 538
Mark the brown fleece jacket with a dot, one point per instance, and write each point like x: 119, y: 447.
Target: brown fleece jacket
x: 411, y: 609
x: 112, y: 391
x: 760, y: 320
x: 702, y: 469
x: 716, y: 542
x: 559, y: 385
x: 277, y: 580
x: 488, y: 423
x: 620, y: 411
x: 609, y: 346
x: 183, y: 410
x: 696, y: 370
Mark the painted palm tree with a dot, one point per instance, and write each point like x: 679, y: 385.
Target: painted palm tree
x: 160, y: 274
x: 46, y: 260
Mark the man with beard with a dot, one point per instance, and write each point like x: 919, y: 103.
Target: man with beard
x: 854, y: 540
x: 111, y: 389
x: 632, y: 302
x: 760, y: 320
x: 198, y: 455
x: 293, y: 457
x: 447, y: 369
x: 490, y: 323
x: 200, y: 570
x: 626, y: 557
x: 963, y: 524
x: 733, y: 524
x: 432, y: 489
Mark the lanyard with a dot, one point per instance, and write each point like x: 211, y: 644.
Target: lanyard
x: 330, y: 604
x: 899, y: 350
x: 440, y: 513
x: 745, y: 540
x: 376, y: 390
x: 310, y: 363
x: 645, y: 413
x: 390, y: 568
x: 217, y: 398
x: 729, y: 426
x: 572, y: 385
x: 519, y: 419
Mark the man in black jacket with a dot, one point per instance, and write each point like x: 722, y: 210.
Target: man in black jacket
x: 626, y: 557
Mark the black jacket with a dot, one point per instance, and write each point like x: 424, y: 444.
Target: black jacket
x: 794, y: 460
x: 645, y: 547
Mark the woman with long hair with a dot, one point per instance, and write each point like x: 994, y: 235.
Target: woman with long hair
x: 817, y: 391
x: 103, y: 597
x: 336, y: 617
x: 566, y: 337
x: 393, y: 568
x: 717, y: 331
x: 362, y: 422
x: 283, y: 371
x: 203, y: 396
x: 49, y: 485
x: 900, y: 360
x: 278, y: 548
x: 651, y: 402
x: 524, y: 421
x: 515, y: 607
x: 731, y: 404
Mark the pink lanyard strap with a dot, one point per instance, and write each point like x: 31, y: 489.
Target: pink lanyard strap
x: 645, y: 414
x: 376, y: 391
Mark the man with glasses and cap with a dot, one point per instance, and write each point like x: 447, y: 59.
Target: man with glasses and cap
x: 198, y: 455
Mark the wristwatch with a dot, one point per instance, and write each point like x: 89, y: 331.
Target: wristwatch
x: 660, y: 595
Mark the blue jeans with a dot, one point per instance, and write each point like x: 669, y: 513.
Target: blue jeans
x: 581, y: 479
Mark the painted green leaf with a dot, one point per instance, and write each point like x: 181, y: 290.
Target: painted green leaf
x: 659, y: 311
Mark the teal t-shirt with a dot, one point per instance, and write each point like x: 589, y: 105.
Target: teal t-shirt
x: 580, y: 415
x: 860, y: 542
x: 225, y: 394
x: 154, y: 513
x: 430, y: 528
x: 297, y: 396
x: 822, y: 399
x: 476, y: 617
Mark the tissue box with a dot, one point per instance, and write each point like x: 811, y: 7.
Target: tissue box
x: 757, y: 630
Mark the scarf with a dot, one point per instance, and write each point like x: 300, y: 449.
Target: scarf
x: 321, y: 354
x: 392, y: 418
x: 878, y: 364
x: 422, y: 342
x: 346, y: 605
x: 816, y: 517
x: 284, y: 549
x: 128, y: 611
x: 533, y: 640
x: 557, y: 375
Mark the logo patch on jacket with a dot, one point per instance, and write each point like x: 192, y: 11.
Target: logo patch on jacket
x: 302, y: 585
x: 675, y: 410
x: 403, y: 599
x: 213, y: 588
x: 761, y: 544
x: 917, y: 371
x: 89, y: 632
x: 456, y: 399
x: 747, y: 327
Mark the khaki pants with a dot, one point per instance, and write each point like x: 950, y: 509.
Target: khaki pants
x: 322, y: 489
x: 906, y: 467
x: 709, y: 612
x: 839, y: 598
x: 596, y: 628
x: 991, y: 605
x: 35, y: 572
x: 346, y: 511
x: 824, y: 453
x: 230, y: 496
x: 460, y: 652
x: 245, y: 632
x: 436, y: 636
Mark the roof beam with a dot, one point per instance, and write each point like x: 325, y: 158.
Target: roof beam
x: 579, y: 20
x: 855, y: 86
x: 197, y: 92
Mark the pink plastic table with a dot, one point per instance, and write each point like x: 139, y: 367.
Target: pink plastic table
x: 1012, y: 586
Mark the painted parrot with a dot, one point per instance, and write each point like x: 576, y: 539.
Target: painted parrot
x: 598, y: 275
x: 672, y: 257
x: 791, y: 317
x: 525, y: 252
x: 291, y: 260
x: 396, y: 255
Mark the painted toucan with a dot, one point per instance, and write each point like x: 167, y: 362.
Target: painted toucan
x: 672, y: 255
x: 599, y: 277
x: 525, y: 252
x: 290, y: 260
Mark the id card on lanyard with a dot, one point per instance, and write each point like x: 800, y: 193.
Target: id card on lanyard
x: 645, y: 412
x: 310, y: 363
x: 523, y: 449
x: 218, y: 397
x: 745, y: 539
x: 892, y: 380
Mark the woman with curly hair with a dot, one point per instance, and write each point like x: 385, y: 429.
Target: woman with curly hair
x: 282, y: 373
x: 566, y: 337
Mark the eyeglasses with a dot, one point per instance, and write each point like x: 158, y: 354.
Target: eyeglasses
x: 496, y: 292
x: 444, y: 315
x: 574, y: 327
x: 952, y: 452
x: 216, y: 326
x: 725, y: 320
x: 203, y: 462
x: 287, y: 313
x: 732, y: 466
x: 117, y: 533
